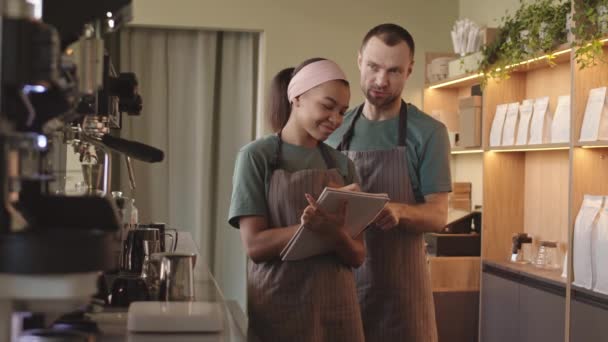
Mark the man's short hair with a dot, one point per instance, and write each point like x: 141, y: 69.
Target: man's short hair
x: 391, y: 35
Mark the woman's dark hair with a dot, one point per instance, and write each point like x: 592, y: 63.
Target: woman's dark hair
x: 279, y: 107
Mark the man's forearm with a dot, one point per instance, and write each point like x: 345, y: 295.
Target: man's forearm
x: 428, y: 217
x: 423, y: 218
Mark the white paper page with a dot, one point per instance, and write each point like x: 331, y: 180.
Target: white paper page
x: 538, y: 120
x: 560, y: 130
x: 523, y: 129
x: 361, y: 209
x: 508, y: 133
x: 593, y: 114
x: 497, y: 124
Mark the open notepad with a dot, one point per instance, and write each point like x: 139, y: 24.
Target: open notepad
x: 361, y: 209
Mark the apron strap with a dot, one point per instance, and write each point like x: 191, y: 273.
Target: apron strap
x: 348, y: 135
x: 402, y: 132
x: 330, y: 163
x: 350, y: 132
x: 275, y: 163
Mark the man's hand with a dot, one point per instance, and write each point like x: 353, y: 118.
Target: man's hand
x: 389, y: 217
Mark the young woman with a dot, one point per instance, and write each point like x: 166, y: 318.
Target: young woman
x: 276, y: 181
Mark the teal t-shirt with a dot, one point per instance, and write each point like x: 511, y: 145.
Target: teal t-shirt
x: 252, y: 172
x: 428, y: 147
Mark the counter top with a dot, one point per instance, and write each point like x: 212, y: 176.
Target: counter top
x: 529, y: 274
x: 206, y: 289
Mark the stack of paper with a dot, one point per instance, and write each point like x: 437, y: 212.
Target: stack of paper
x: 361, y: 209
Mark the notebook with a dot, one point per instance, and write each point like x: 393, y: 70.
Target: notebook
x: 361, y: 209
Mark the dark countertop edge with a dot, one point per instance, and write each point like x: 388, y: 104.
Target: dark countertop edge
x: 511, y: 272
x: 590, y: 297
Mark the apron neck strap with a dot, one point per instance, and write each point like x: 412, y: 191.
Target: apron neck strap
x: 350, y: 132
x: 402, y: 132
x: 330, y: 163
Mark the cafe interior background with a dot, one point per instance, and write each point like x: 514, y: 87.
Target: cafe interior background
x: 500, y: 270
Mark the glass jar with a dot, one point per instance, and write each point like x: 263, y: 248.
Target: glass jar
x: 548, y: 255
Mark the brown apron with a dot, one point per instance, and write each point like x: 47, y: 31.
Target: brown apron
x: 393, y: 283
x: 308, y: 300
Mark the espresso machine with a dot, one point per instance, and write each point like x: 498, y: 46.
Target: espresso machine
x: 53, y: 247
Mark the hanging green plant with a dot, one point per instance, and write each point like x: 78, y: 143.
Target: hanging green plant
x: 535, y: 29
x: 590, y: 26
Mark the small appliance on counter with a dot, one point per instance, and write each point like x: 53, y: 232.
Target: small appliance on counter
x: 460, y: 237
x: 521, y: 251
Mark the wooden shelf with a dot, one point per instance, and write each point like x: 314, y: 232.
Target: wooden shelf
x: 592, y: 144
x: 561, y: 54
x: 466, y: 150
x: 531, y: 148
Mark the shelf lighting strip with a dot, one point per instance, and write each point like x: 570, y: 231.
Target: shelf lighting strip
x: 466, y: 151
x: 595, y: 146
x: 458, y: 80
x: 533, y: 149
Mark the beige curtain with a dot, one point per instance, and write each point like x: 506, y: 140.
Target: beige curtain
x: 199, y: 93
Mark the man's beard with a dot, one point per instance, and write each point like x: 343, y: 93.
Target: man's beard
x: 380, y: 103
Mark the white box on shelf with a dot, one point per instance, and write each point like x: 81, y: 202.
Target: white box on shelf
x: 540, y: 128
x: 464, y: 65
x: 560, y: 129
x: 595, y: 122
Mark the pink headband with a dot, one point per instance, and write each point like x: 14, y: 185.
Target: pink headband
x: 312, y: 75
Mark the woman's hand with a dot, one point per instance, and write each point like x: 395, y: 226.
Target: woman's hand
x: 322, y: 222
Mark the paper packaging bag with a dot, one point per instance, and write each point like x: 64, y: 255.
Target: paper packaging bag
x: 508, y: 133
x: 497, y: 125
x: 470, y: 121
x: 584, y: 228
x: 540, y: 127
x: 595, y: 122
x: 601, y: 251
x: 560, y: 129
x: 523, y: 129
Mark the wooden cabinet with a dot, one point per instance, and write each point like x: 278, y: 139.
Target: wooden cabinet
x: 589, y: 317
x: 521, y: 307
x: 499, y: 322
x: 541, y: 314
